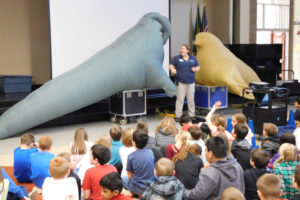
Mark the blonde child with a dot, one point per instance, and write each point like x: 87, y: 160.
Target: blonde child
x: 80, y: 147
x: 22, y: 169
x: 167, y: 186
x: 104, y: 140
x: 40, y: 160
x: 284, y: 167
x: 269, y: 187
x: 217, y: 123
x: 59, y: 186
x: 240, y: 118
x: 67, y: 156
x: 127, y: 149
x: 181, y: 141
x: 232, y: 193
x: 165, y: 132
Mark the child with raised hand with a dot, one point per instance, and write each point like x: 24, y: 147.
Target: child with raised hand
x: 112, y: 186
x: 240, y: 118
x: 80, y: 147
x: 271, y: 140
x: 165, y: 132
x: 116, y: 143
x: 269, y: 187
x: 284, y: 167
x: 22, y: 169
x: 217, y: 123
x: 59, y: 186
x: 167, y: 186
x: 99, y: 157
x: 40, y: 160
x: 188, y: 165
x: 127, y: 149
x: 181, y: 141
x: 259, y: 159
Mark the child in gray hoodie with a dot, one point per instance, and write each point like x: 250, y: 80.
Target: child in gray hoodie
x: 167, y: 186
x: 219, y: 175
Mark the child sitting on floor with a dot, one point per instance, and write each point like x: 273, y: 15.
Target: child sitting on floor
x: 284, y: 167
x: 271, y: 141
x: 259, y: 160
x: 269, y: 187
x: 165, y: 132
x: 99, y: 157
x: 116, y: 143
x: 181, y: 140
x: 39, y: 162
x: 22, y: 169
x: 167, y: 186
x: 240, y: 118
x: 241, y: 149
x: 140, y: 165
x: 59, y: 186
x: 296, y: 181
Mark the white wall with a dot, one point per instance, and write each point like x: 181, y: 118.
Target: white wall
x: 296, y: 40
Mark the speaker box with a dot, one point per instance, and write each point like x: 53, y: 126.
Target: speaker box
x: 260, y: 115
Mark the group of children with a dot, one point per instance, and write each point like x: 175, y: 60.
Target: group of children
x: 196, y: 161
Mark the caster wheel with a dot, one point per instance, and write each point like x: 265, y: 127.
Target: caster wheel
x: 113, y: 119
x: 139, y: 119
x: 123, y: 121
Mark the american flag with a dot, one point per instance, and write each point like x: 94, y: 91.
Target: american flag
x: 204, y: 18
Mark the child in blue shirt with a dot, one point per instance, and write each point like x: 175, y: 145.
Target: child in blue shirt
x: 140, y: 165
x: 22, y: 170
x: 40, y: 161
x: 116, y: 143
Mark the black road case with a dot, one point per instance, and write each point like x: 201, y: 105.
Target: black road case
x: 127, y: 103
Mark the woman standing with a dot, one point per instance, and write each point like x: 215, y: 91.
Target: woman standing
x: 184, y: 66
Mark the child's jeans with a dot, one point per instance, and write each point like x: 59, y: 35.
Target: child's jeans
x: 133, y: 187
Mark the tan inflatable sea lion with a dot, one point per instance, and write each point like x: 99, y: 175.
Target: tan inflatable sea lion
x: 221, y: 67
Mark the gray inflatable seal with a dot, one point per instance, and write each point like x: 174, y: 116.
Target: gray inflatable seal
x: 133, y: 61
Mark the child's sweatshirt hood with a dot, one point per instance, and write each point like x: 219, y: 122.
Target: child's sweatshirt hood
x: 166, y: 186
x: 227, y: 169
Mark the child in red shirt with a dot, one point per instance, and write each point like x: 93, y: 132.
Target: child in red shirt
x: 99, y: 156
